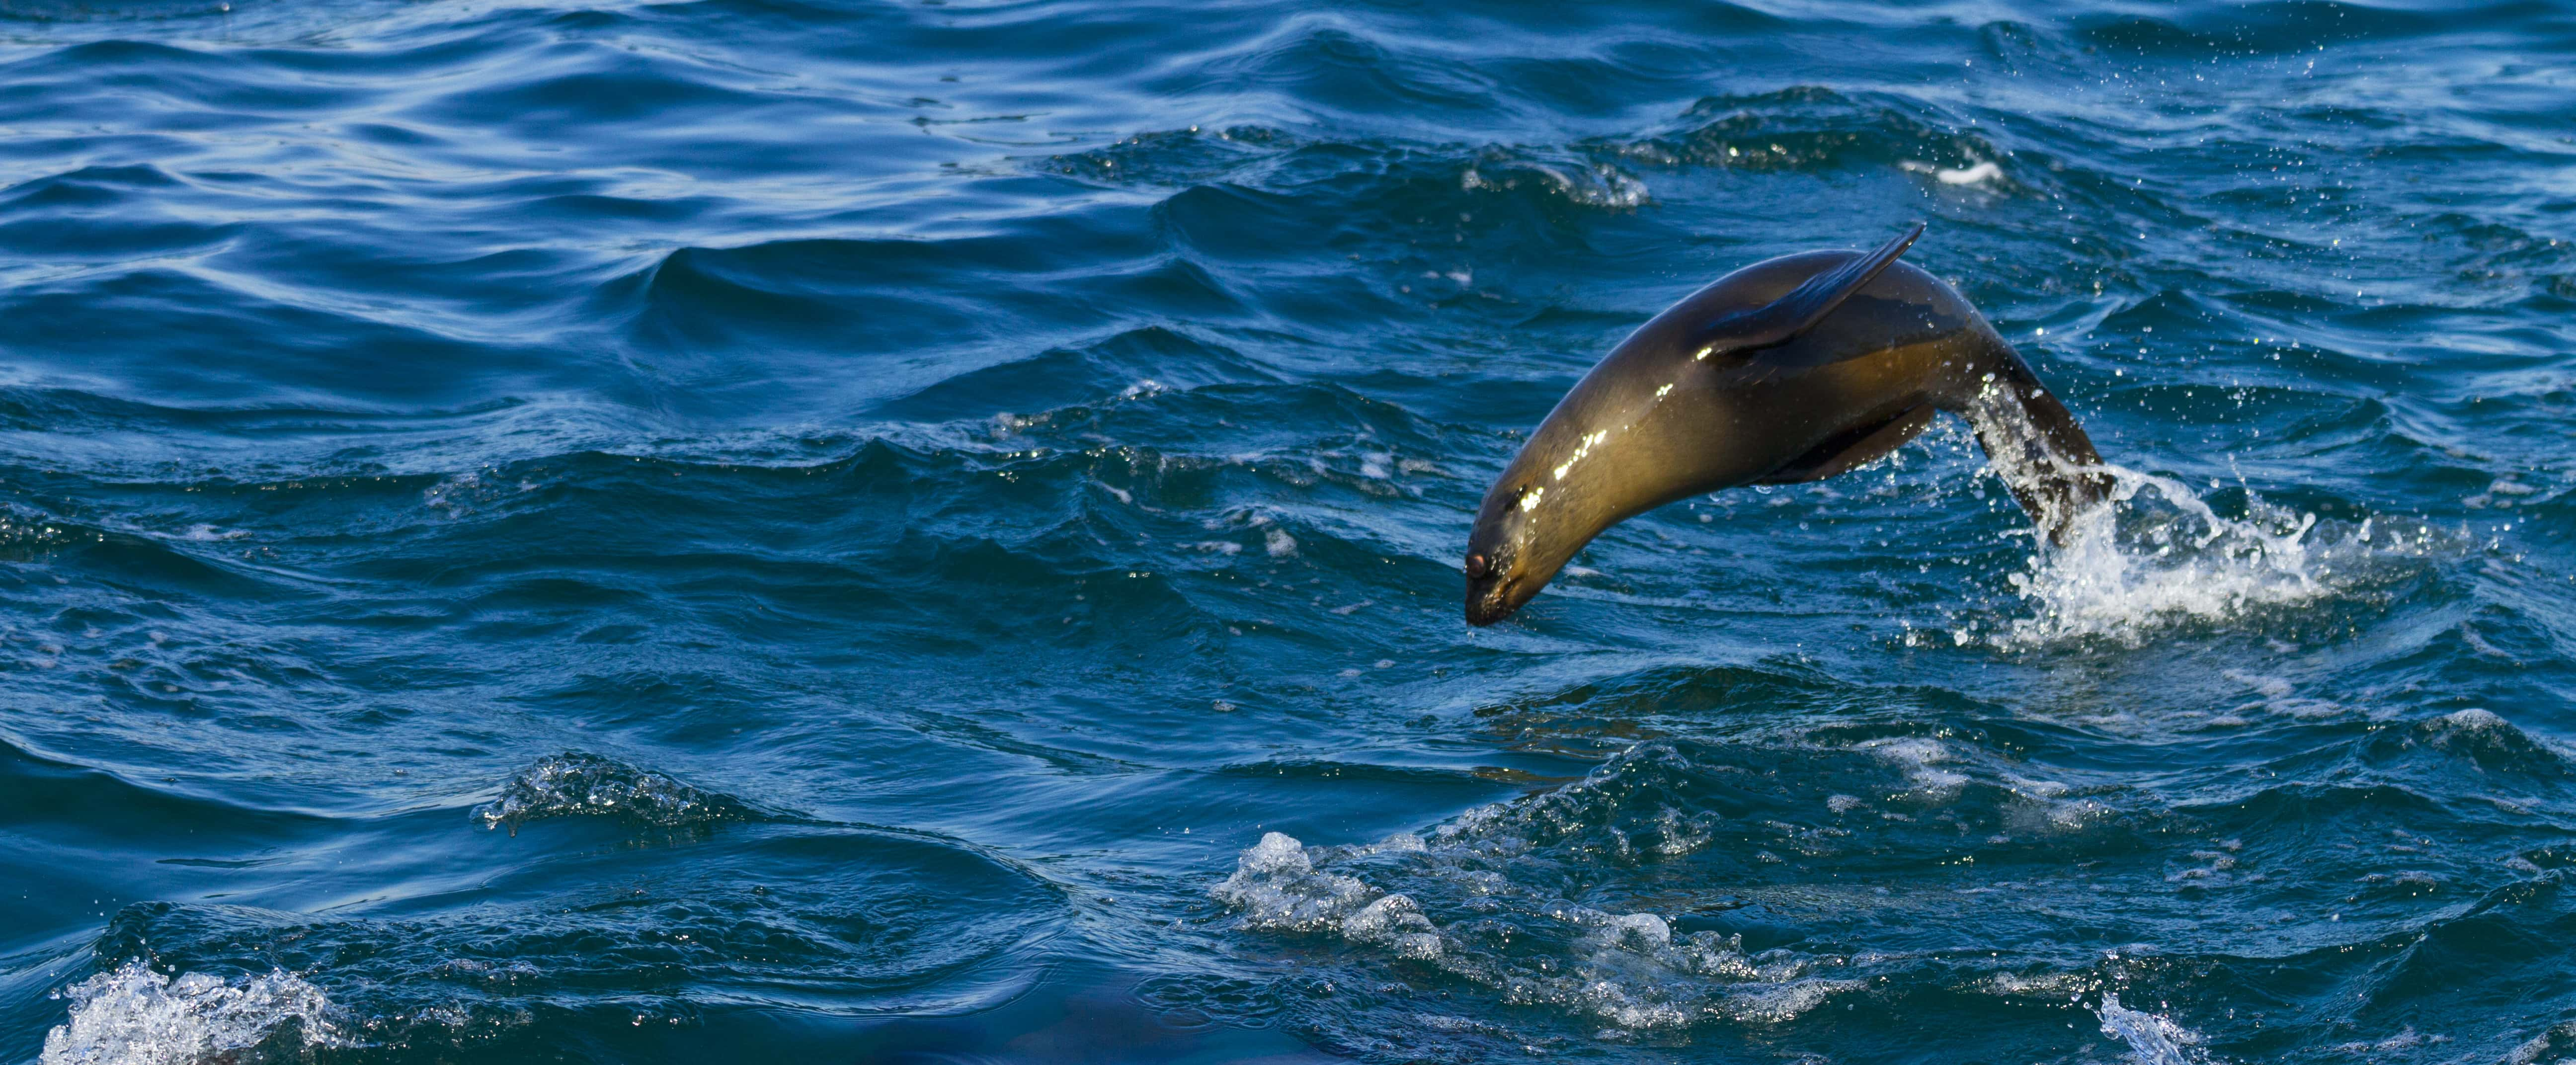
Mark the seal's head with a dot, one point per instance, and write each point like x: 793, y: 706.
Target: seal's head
x: 1594, y: 463
x: 1508, y: 560
x: 1500, y: 556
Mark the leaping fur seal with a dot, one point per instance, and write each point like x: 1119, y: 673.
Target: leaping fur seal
x: 1792, y: 369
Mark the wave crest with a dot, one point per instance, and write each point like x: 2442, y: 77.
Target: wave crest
x: 1812, y: 128
x: 135, y: 1016
x: 1630, y: 970
x: 579, y: 784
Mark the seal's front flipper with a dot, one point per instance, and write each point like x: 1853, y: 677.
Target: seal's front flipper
x: 1852, y: 450
x: 1781, y: 320
x: 2032, y: 441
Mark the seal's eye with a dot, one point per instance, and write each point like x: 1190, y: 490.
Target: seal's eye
x: 1479, y: 567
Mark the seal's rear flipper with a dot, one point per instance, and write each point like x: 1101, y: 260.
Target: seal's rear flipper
x: 1781, y: 320
x: 2032, y: 441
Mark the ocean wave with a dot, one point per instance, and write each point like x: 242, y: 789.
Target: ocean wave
x: 25, y: 535
x: 1586, y: 182
x: 1487, y: 896
x: 1801, y: 129
x: 579, y: 784
x: 1131, y: 364
x: 1687, y: 884
x: 136, y: 1016
x: 2277, y: 27
x: 2488, y: 744
x: 767, y: 392
x: 1415, y: 184
x: 1627, y: 970
x: 1809, y: 128
x: 839, y: 919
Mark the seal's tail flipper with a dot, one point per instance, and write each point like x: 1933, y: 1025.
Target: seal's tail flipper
x: 1781, y: 320
x: 2033, y: 442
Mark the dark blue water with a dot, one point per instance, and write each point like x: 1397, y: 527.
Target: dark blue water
x: 743, y: 529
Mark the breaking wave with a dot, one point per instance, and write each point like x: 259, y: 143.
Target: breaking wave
x: 578, y: 784
x: 135, y: 1016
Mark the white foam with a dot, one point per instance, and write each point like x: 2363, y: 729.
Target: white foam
x: 2057, y: 985
x: 1631, y: 970
x: 2539, y: 1046
x: 134, y: 1016
x: 1277, y: 887
x: 1918, y: 756
x: 2174, y: 559
x: 1978, y: 173
x: 2474, y: 730
x: 1781, y: 1003
x: 2268, y: 687
x: 2473, y: 720
x: 454, y: 494
x: 2153, y: 1039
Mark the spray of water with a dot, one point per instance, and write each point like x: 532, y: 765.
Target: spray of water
x: 2155, y: 553
x: 135, y: 1016
x: 2153, y: 1038
x: 2149, y: 552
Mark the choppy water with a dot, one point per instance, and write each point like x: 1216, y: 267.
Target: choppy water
x: 679, y: 532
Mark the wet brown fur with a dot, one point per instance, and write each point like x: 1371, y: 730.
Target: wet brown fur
x: 1838, y: 393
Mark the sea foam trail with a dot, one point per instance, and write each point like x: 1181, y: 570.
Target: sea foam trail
x: 134, y: 1016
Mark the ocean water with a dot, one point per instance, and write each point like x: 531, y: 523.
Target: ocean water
x: 791, y: 529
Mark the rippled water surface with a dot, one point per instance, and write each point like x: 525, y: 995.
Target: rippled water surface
x: 929, y: 531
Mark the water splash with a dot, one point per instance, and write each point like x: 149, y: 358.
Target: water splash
x: 134, y: 1016
x: 1978, y: 173
x: 578, y: 784
x: 2123, y: 552
x: 2153, y: 1039
x: 2155, y: 553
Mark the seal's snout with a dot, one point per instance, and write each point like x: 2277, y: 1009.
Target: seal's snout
x: 1489, y: 590
x: 1497, y: 563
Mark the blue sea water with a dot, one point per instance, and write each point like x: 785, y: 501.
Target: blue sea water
x: 731, y: 530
